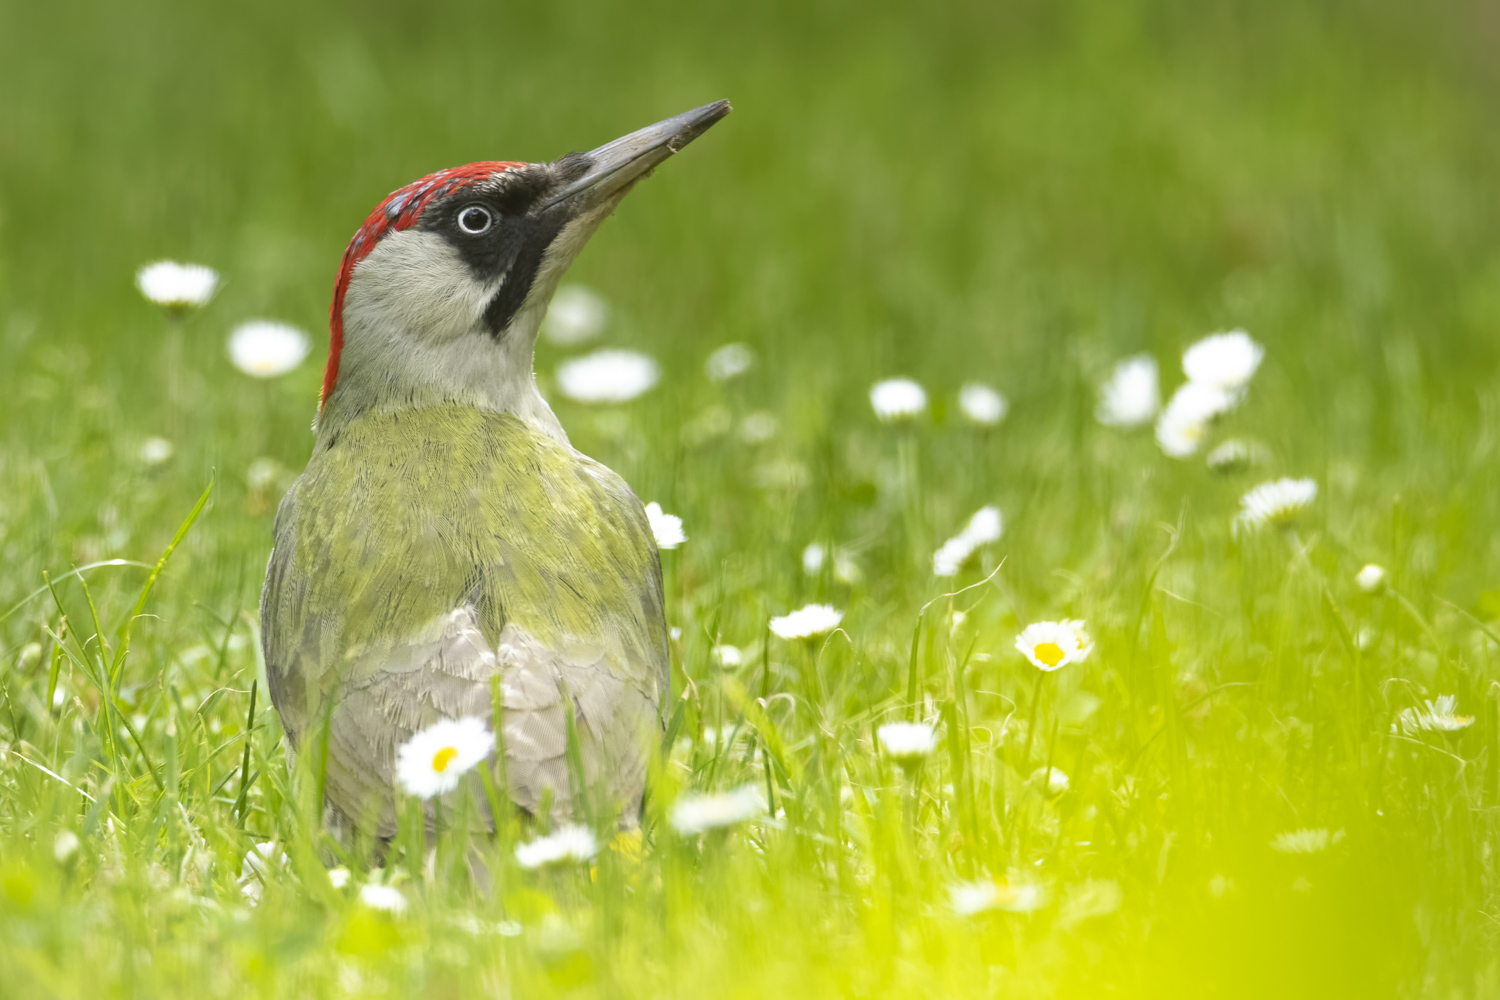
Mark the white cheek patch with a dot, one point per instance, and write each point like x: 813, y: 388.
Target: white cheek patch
x: 416, y: 282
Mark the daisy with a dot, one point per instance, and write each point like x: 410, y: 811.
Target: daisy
x: 382, y: 897
x: 1225, y: 361
x: 576, y: 316
x: 1279, y: 503
x: 812, y: 559
x: 609, y: 376
x: 262, y: 474
x: 898, y: 399
x: 729, y: 361
x: 265, y: 349
x: 807, y: 622
x: 1053, y: 645
x: 1183, y: 425
x: 1305, y: 841
x: 728, y: 656
x: 694, y: 814
x: 1231, y: 456
x: 433, y: 760
x: 566, y: 843
x: 966, y: 899
x: 1132, y: 396
x: 1371, y: 579
x: 177, y: 286
x: 846, y: 568
x: 1439, y: 716
x: 758, y: 427
x: 1053, y: 781
x: 156, y: 451
x: 907, y: 743
x: 339, y: 877
x: 64, y: 846
x: 982, y: 405
x: 667, y: 528
x: 985, y: 527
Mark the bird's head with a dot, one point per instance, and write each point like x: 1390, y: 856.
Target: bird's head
x: 442, y: 290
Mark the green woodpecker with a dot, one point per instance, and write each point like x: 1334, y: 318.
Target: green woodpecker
x: 445, y: 533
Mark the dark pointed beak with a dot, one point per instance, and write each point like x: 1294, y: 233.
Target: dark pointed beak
x: 616, y: 165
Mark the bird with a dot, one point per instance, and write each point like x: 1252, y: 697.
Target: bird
x: 446, y: 549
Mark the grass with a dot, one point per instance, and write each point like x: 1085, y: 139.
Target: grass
x: 1021, y: 193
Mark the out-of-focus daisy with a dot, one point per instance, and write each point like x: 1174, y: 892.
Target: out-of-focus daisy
x: 812, y: 559
x: 729, y: 361
x: 667, y: 528
x: 982, y: 404
x: 434, y: 759
x: 1277, y: 503
x: 382, y: 897
x: 728, y: 656
x: 608, y: 376
x: 966, y: 899
x: 1052, y: 781
x: 846, y: 568
x: 1370, y: 579
x: 339, y: 877
x: 758, y: 427
x: 265, y: 349
x: 576, y: 316
x: 262, y: 474
x: 898, y: 399
x: 695, y: 814
x: 1305, y: 841
x: 1184, y: 423
x: 1231, y: 456
x: 1132, y: 395
x: 1053, y: 645
x: 177, y: 286
x: 1226, y: 361
x: 64, y: 846
x: 256, y: 867
x: 907, y: 743
x: 985, y: 527
x: 566, y: 843
x: 807, y: 622
x: 156, y: 451
x: 1439, y: 715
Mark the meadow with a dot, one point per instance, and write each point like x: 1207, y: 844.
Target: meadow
x: 1248, y: 787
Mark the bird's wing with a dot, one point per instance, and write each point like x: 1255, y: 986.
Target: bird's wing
x: 424, y: 552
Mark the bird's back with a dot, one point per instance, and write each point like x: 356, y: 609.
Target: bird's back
x: 424, y: 551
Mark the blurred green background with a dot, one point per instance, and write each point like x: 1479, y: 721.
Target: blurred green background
x: 1016, y: 192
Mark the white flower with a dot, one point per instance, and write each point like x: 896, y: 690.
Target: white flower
x: 260, y: 859
x: 1229, y: 456
x: 1225, y: 360
x: 608, y: 376
x: 907, y: 743
x: 338, y: 877
x: 1053, y: 645
x: 728, y: 656
x: 807, y: 622
x: 1052, y: 781
x: 575, y: 316
x: 898, y: 399
x: 1439, y: 715
x: 693, y: 814
x: 181, y: 286
x: 1184, y: 423
x: 667, y: 528
x: 265, y: 349
x: 985, y: 527
x: 1278, y: 502
x: 982, y: 405
x: 64, y: 846
x: 1370, y: 579
x: 846, y: 568
x: 967, y: 899
x: 262, y: 474
x: 758, y: 427
x: 1132, y: 395
x: 729, y: 361
x: 382, y: 897
x: 156, y: 450
x: 1305, y: 841
x: 812, y: 559
x: 566, y: 843
x: 433, y: 760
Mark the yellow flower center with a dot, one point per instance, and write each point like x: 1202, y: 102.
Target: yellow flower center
x: 1049, y: 653
x: 443, y: 758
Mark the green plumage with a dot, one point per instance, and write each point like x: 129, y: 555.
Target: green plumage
x: 423, y: 551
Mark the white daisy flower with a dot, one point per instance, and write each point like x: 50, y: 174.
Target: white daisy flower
x: 339, y: 877
x: 382, y: 897
x: 695, y: 814
x: 812, y: 559
x: 433, y: 760
x: 1226, y: 361
x: 64, y: 846
x: 967, y: 899
x: 985, y: 527
x: 1183, y: 425
x: 758, y: 427
x: 265, y: 349
x: 1230, y: 456
x: 1053, y: 645
x: 1278, y: 503
x: 807, y: 622
x: 982, y: 404
x: 1305, y: 841
x: 907, y: 743
x: 178, y: 286
x: 666, y: 528
x: 951, y: 556
x: 898, y: 399
x: 729, y: 361
x: 566, y: 843
x: 1132, y: 395
x: 608, y: 376
x: 1052, y: 781
x: 1439, y: 715
x: 1371, y: 579
x: 728, y: 656
x: 156, y: 451
x: 576, y: 316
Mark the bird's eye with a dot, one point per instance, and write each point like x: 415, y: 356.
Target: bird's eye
x: 474, y: 220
